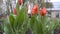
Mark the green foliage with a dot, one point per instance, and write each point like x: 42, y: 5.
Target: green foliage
x: 1, y: 25
x: 49, y: 5
x: 17, y: 23
x: 37, y: 24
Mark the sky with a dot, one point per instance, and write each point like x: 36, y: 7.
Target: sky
x: 54, y: 0
x: 56, y: 3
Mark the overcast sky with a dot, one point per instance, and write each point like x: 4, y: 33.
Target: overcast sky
x: 55, y: 1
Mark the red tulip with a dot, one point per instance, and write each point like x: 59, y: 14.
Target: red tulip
x: 20, y: 2
x: 43, y: 11
x: 35, y: 9
x: 33, y: 12
x: 14, y: 11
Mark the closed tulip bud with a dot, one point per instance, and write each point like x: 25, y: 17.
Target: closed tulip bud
x: 43, y: 11
x: 14, y: 11
x: 20, y: 2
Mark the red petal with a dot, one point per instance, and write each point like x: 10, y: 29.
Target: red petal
x: 20, y: 2
x: 43, y: 11
x: 14, y: 11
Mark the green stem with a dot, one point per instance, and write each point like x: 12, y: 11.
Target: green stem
x: 34, y: 32
x: 52, y: 32
x: 22, y: 32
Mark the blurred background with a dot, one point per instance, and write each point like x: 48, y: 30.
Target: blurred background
x: 52, y: 7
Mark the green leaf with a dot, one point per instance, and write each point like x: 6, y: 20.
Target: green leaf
x: 8, y: 29
x: 20, y: 18
x: 32, y: 21
x: 17, y: 8
x: 11, y: 20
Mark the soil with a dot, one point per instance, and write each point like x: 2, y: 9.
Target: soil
x: 1, y: 32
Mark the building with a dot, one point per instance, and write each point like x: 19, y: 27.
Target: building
x: 55, y: 10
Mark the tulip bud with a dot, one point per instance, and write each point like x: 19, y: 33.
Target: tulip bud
x: 20, y: 2
x: 14, y: 11
x: 34, y: 9
x: 43, y: 11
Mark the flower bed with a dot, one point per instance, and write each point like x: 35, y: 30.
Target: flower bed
x: 38, y: 23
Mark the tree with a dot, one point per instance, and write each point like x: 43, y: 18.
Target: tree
x: 49, y: 5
